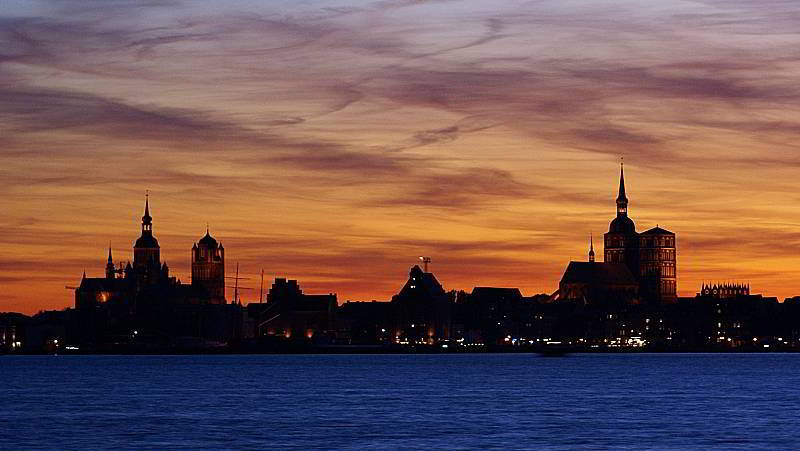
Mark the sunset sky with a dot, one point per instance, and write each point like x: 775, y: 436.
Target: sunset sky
x: 335, y: 141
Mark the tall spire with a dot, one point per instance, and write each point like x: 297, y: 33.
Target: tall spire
x: 591, y: 248
x: 146, y: 206
x: 147, y: 220
x: 622, y: 199
x: 110, y: 270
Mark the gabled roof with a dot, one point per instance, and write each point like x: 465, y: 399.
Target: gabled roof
x: 657, y: 231
x: 598, y: 273
x: 95, y: 284
x: 421, y: 284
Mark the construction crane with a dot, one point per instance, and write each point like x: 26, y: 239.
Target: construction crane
x: 425, y: 261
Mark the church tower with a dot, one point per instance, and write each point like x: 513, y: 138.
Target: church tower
x: 146, y: 251
x: 658, y: 263
x: 208, y: 268
x: 622, y: 242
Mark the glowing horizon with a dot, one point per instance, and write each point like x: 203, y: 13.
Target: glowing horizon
x: 334, y: 142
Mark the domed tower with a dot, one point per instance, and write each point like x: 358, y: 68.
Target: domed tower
x: 146, y: 252
x: 208, y: 268
x: 622, y: 241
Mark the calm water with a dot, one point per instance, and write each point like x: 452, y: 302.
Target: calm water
x: 401, y: 401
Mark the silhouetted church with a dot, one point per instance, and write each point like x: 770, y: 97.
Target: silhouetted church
x: 637, y: 267
x: 149, y: 277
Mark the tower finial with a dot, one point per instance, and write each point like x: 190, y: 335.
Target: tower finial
x: 591, y: 248
x: 147, y: 202
x: 109, y: 252
x: 207, y: 229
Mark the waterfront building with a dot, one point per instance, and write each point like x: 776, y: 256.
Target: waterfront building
x: 292, y: 314
x: 422, y: 310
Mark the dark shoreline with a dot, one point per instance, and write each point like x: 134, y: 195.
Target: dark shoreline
x: 389, y: 350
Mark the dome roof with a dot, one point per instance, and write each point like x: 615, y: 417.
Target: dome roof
x: 146, y: 241
x: 208, y: 241
x: 622, y: 224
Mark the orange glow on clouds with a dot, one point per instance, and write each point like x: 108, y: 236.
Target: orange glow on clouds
x: 334, y: 142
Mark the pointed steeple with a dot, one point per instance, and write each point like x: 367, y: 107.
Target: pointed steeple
x: 622, y: 199
x: 591, y: 248
x: 110, y: 270
x: 147, y: 220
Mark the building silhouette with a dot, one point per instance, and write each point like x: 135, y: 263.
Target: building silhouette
x: 147, y: 253
x: 208, y: 268
x: 148, y: 280
x: 657, y: 265
x: 599, y: 283
x: 627, y: 300
x: 724, y: 290
x: 292, y: 314
x: 621, y: 240
x: 422, y: 309
x: 637, y: 267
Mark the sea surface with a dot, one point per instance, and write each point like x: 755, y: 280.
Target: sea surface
x: 450, y: 401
